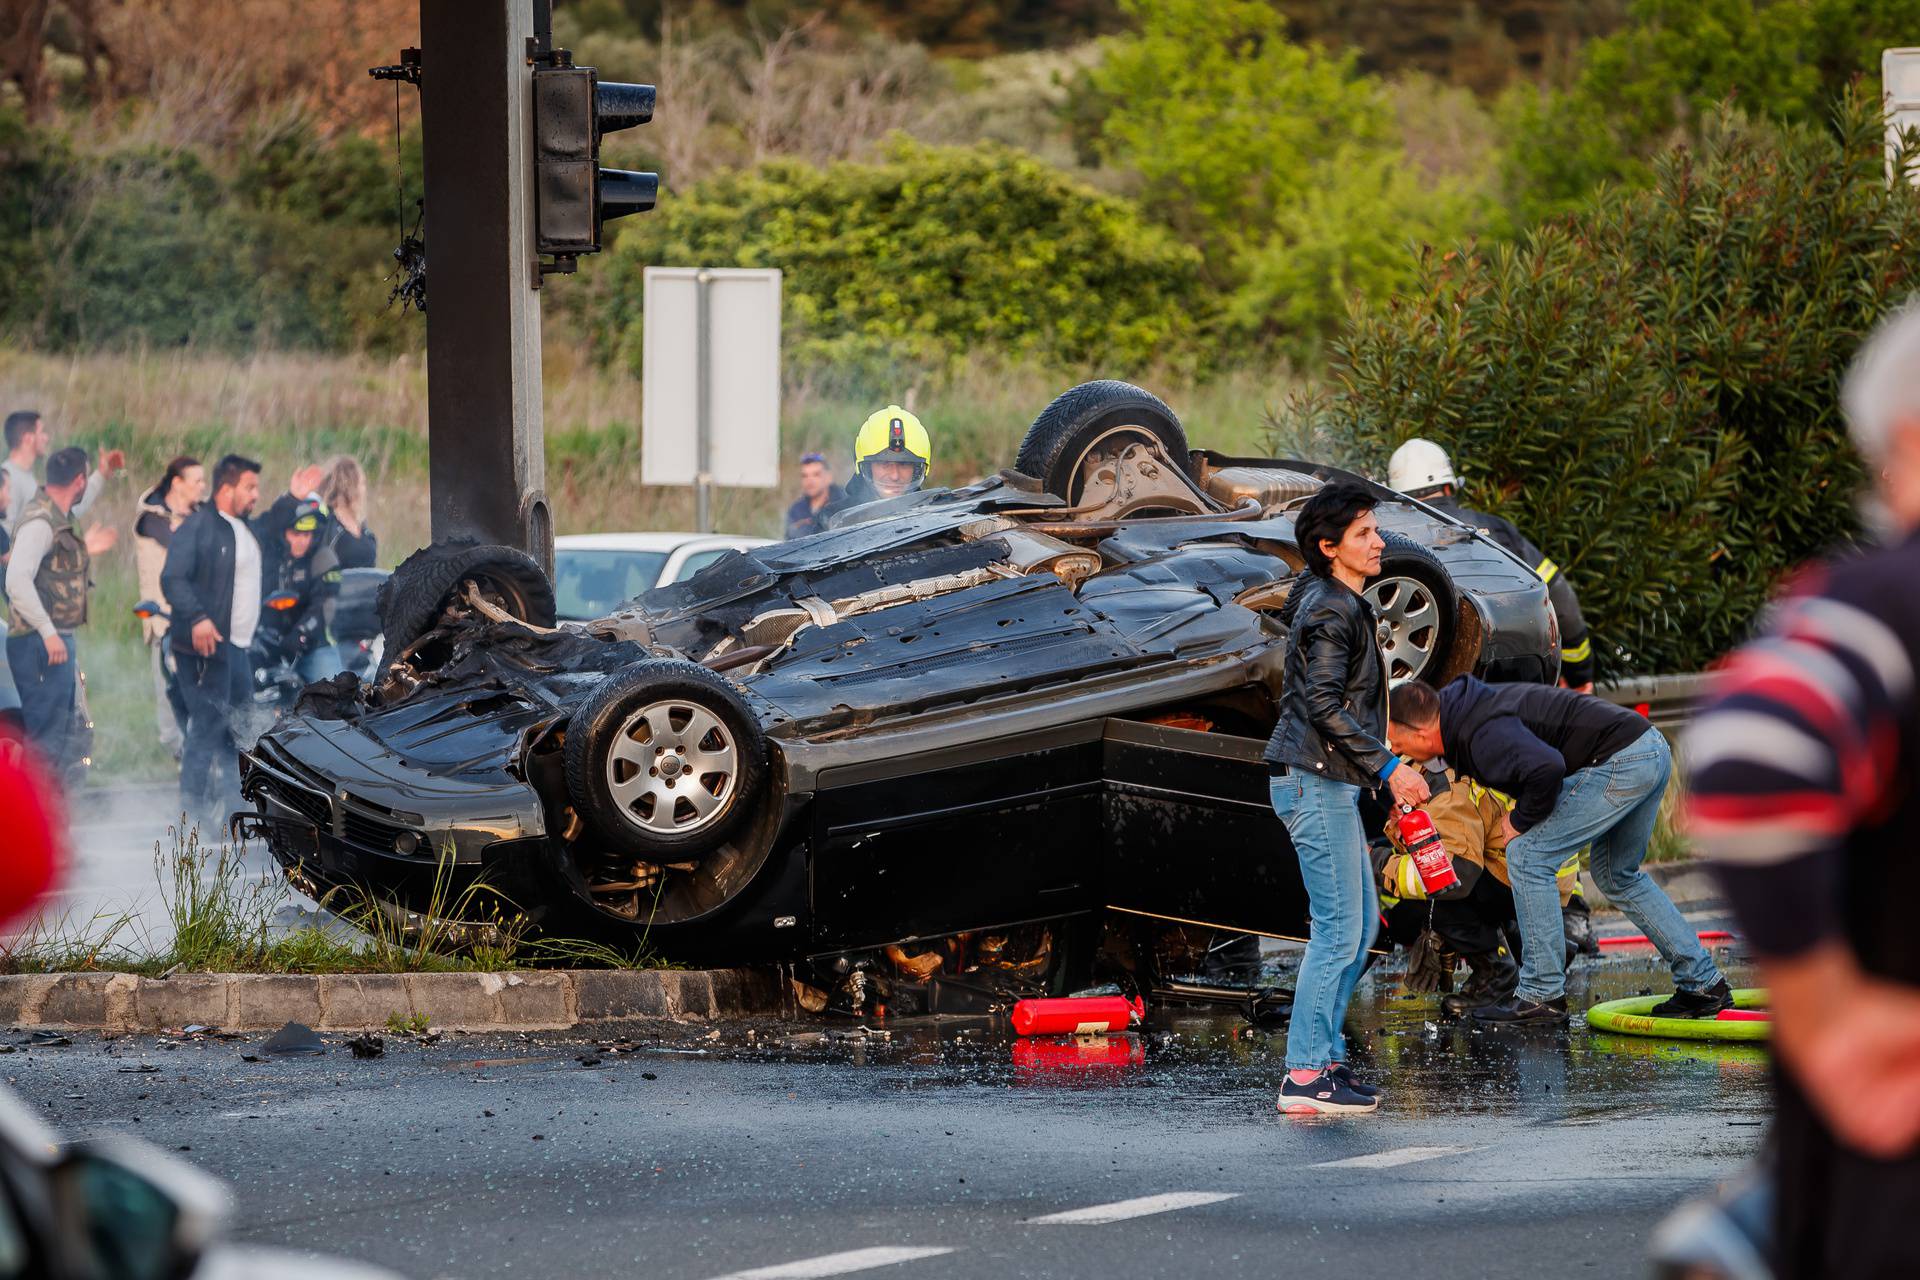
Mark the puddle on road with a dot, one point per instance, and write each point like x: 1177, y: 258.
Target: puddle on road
x: 1429, y: 1065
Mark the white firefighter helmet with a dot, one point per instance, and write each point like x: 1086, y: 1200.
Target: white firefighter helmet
x: 1420, y: 465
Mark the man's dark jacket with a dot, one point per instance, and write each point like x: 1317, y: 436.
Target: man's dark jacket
x: 198, y: 577
x: 1333, y: 702
x: 1525, y: 739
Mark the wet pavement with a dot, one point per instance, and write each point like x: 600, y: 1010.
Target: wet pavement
x: 943, y: 1148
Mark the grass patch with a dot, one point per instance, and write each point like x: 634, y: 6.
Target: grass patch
x: 222, y: 919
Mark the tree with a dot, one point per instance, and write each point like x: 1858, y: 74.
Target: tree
x: 1650, y: 388
x: 928, y: 255
x: 1278, y: 160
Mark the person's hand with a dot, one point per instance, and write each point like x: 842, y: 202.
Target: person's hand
x: 100, y: 540
x: 1852, y: 1042
x: 1409, y: 786
x: 206, y: 638
x: 1506, y: 827
x: 306, y: 480
x: 56, y: 649
x: 112, y: 460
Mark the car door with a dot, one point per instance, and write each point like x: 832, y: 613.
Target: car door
x: 981, y: 837
x: 1190, y: 835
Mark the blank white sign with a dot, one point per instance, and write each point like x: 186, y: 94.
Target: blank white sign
x: 743, y: 316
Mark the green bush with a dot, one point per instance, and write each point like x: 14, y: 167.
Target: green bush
x: 1280, y: 161
x: 1670, y: 69
x: 931, y: 253
x: 1650, y: 388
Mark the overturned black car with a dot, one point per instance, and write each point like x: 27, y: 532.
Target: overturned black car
x: 1039, y: 698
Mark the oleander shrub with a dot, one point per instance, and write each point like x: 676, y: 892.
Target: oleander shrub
x: 1650, y: 387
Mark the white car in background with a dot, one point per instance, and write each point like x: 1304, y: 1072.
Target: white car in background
x: 596, y: 573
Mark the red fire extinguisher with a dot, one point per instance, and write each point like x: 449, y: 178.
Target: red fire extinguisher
x: 1076, y: 1015
x: 1429, y: 855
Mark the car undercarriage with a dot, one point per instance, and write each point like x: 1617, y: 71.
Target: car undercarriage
x: 958, y: 732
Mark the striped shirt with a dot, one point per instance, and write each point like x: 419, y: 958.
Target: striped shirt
x: 1806, y: 749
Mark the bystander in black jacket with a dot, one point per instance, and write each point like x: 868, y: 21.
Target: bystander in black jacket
x: 1525, y: 739
x: 198, y: 577
x: 1333, y: 702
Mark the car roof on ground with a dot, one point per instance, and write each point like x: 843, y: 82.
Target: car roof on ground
x: 666, y: 542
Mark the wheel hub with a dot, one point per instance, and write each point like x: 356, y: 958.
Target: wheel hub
x: 1412, y: 615
x: 673, y: 767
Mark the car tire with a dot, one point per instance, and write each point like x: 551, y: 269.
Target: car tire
x: 1087, y: 417
x: 684, y: 710
x: 411, y: 601
x: 1415, y: 597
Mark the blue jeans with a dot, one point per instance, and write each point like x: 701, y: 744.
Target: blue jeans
x: 46, y: 694
x: 1323, y: 819
x: 218, y: 692
x: 1613, y: 806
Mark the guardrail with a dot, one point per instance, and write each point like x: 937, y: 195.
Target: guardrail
x: 1668, y: 701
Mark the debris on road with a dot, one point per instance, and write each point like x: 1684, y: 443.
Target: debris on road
x: 294, y: 1040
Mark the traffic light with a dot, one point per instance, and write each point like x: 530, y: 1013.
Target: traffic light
x: 573, y: 196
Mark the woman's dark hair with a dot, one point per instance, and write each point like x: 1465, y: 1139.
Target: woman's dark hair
x: 175, y: 469
x: 1326, y: 515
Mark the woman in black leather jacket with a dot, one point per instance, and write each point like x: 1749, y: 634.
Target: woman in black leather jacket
x: 1330, y: 742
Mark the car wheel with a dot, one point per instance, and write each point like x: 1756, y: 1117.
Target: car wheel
x: 411, y: 601
x: 1416, y: 599
x: 664, y: 759
x: 1093, y: 421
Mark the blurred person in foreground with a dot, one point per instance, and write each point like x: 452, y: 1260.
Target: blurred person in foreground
x: 182, y: 487
x: 1803, y: 767
x: 49, y: 578
x: 212, y: 579
x: 819, y: 496
x: 28, y: 441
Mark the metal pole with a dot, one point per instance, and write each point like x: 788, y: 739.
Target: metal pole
x: 488, y: 458
x: 703, y: 401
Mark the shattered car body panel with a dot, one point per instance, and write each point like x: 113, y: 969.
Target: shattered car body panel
x: 980, y: 710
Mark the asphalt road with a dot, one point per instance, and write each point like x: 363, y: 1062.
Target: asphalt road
x: 783, y: 1150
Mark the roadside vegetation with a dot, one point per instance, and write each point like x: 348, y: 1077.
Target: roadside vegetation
x: 216, y: 917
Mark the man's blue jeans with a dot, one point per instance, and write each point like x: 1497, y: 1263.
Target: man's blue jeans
x: 1323, y: 819
x: 1613, y: 806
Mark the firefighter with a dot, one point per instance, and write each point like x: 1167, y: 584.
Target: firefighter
x: 892, y: 455
x: 1472, y: 919
x: 1421, y: 469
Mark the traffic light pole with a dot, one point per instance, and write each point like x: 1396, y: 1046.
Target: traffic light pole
x: 488, y: 460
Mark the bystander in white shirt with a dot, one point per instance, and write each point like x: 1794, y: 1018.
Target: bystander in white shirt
x: 246, y: 584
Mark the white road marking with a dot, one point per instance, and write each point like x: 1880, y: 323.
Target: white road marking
x: 1388, y: 1159
x: 1120, y: 1210
x: 836, y: 1264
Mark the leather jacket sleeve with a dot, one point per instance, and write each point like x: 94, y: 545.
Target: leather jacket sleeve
x: 1328, y: 645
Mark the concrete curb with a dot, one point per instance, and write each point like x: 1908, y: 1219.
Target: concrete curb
x: 529, y: 1000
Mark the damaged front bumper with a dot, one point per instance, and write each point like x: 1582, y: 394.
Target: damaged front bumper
x: 337, y: 810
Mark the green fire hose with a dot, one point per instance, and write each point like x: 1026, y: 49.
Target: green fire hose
x: 1631, y: 1018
